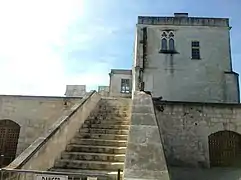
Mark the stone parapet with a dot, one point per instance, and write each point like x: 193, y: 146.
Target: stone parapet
x: 183, y: 21
x: 145, y: 157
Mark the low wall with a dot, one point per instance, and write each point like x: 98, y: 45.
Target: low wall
x: 41, y: 154
x: 145, y: 158
x: 34, y: 114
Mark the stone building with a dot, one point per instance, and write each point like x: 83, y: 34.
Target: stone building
x: 175, y: 115
x: 75, y: 90
x: 120, y: 83
x: 185, y: 59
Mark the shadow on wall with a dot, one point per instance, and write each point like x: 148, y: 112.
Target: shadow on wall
x: 9, y: 135
x: 177, y: 173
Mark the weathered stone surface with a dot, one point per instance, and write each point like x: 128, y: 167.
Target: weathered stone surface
x: 144, y: 135
x: 145, y: 158
x: 97, y: 147
x: 186, y: 127
x: 142, y: 109
x: 141, y: 101
x: 42, y: 153
x: 34, y: 114
x: 178, y: 77
x: 143, y: 174
x: 142, y: 119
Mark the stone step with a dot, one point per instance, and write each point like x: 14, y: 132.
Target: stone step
x: 102, y: 175
x: 93, y: 156
x: 113, y: 106
x: 95, y: 149
x: 103, y: 131
x: 99, y: 142
x: 114, y: 122
x: 88, y: 165
x: 114, y: 110
x: 102, y: 136
x: 110, y: 115
x: 106, y: 126
x: 109, y: 118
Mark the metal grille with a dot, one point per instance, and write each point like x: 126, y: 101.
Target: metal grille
x: 9, y: 134
x: 224, y: 149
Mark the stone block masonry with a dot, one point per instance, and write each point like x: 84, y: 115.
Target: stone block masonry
x: 41, y: 154
x: 186, y: 126
x: 34, y: 114
x: 145, y: 157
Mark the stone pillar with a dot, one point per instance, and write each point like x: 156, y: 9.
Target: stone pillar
x: 145, y: 157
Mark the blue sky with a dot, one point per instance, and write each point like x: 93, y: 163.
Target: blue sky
x: 50, y: 43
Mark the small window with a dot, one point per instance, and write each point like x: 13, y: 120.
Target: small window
x: 171, y: 45
x: 164, y: 44
x: 195, y: 50
x: 125, y: 86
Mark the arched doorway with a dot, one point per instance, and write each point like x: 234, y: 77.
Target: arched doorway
x: 225, y: 149
x: 9, y: 134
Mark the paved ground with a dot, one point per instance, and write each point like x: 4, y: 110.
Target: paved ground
x: 205, y: 174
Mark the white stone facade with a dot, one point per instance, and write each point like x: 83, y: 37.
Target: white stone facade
x: 120, y: 83
x: 175, y: 75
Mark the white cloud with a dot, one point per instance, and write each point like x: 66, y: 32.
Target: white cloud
x: 29, y: 31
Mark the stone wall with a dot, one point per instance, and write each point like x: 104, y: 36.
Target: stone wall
x: 34, y: 114
x: 186, y: 126
x: 43, y: 152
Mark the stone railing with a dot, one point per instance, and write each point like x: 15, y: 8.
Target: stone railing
x: 42, y: 153
x: 145, y: 158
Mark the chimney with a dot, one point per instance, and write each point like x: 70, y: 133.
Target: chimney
x: 181, y: 14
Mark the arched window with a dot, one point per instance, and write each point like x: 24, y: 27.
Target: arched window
x: 164, y: 44
x: 171, y: 44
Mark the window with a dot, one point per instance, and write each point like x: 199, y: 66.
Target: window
x: 171, y: 34
x: 171, y: 44
x: 167, y: 42
x: 125, y: 86
x: 164, y: 44
x: 195, y: 50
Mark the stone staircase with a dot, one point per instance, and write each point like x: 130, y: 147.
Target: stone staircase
x: 98, y: 149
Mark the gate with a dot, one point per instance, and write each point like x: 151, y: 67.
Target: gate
x: 224, y: 149
x: 9, y: 134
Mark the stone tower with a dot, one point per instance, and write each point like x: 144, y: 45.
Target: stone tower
x: 185, y: 58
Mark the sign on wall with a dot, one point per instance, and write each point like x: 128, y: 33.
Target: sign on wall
x: 50, y: 177
x: 91, y: 178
